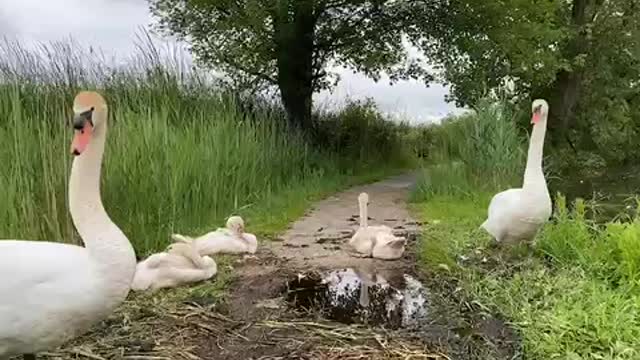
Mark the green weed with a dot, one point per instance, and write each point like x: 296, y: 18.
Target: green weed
x: 575, y: 297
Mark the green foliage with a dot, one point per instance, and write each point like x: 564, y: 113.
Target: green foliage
x: 451, y: 229
x: 574, y: 240
x: 582, y: 55
x: 479, y: 151
x: 251, y: 40
x: 483, y: 45
x: 610, y: 252
x: 360, y: 129
x: 626, y: 239
x: 181, y: 154
x: 564, y: 314
x: 576, y: 298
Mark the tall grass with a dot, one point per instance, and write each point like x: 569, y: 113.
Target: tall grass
x: 474, y: 152
x: 610, y: 252
x: 181, y: 155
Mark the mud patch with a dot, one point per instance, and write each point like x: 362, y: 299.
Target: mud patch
x: 349, y: 296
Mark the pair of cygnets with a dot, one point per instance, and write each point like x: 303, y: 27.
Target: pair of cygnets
x: 187, y: 260
x: 376, y: 241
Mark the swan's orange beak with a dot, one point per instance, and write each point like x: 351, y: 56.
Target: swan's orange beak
x: 81, y: 138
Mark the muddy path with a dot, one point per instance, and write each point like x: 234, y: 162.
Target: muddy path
x: 318, y: 239
x: 303, y: 296
x: 308, y: 275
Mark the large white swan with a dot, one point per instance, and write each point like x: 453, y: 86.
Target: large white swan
x: 517, y: 214
x: 181, y: 264
x: 376, y: 241
x: 229, y: 240
x: 51, y: 292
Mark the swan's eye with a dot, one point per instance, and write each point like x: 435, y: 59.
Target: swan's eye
x: 82, y: 118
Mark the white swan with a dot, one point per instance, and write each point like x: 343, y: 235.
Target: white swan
x: 52, y: 292
x: 181, y: 264
x: 376, y: 241
x: 229, y: 240
x: 517, y: 214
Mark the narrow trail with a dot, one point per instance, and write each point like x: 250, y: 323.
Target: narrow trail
x: 308, y: 277
x: 318, y: 240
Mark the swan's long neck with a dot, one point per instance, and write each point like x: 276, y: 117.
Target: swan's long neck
x: 533, y: 174
x: 109, y: 247
x: 363, y: 214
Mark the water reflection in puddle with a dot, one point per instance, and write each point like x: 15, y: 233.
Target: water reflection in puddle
x: 352, y: 296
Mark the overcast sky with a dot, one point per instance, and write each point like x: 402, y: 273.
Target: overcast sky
x: 112, y: 25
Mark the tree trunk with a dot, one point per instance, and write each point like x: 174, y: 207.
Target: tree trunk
x: 294, y: 40
x: 565, y: 91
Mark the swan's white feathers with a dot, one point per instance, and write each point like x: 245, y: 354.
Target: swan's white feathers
x: 517, y: 214
x: 165, y: 270
x: 376, y: 241
x: 66, y: 273
x: 51, y: 292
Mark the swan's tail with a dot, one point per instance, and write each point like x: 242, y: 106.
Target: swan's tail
x: 489, y: 227
x: 189, y: 251
x: 398, y: 243
x: 143, y: 277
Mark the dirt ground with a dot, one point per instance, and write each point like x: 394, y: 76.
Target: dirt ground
x: 257, y: 320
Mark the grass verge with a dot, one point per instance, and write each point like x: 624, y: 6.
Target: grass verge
x: 574, y: 296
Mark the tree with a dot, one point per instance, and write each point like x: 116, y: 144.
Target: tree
x: 290, y: 43
x: 582, y: 55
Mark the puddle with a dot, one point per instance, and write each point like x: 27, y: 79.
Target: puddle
x: 351, y: 296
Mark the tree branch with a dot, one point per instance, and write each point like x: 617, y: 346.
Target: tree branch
x: 258, y: 74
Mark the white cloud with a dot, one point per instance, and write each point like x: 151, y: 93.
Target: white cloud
x: 112, y: 26
x: 108, y: 24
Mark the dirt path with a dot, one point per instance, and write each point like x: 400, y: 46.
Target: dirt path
x: 317, y: 243
x: 308, y: 275
x: 318, y: 239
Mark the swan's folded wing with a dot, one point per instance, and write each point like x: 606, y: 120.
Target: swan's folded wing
x: 43, y: 279
x: 154, y: 261
x: 504, y: 202
x: 30, y: 264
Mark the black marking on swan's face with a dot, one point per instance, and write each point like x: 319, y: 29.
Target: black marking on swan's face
x: 537, y: 109
x: 80, y: 119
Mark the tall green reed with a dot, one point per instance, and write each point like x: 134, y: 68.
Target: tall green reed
x: 182, y: 153
x: 477, y: 152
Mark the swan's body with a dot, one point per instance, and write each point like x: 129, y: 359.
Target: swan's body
x: 51, y: 292
x: 375, y: 241
x: 229, y: 240
x: 180, y: 265
x: 517, y: 214
x: 388, y: 247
